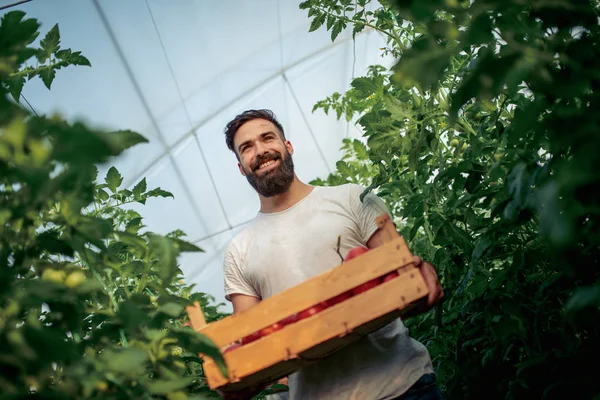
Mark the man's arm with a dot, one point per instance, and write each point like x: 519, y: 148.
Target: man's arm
x: 436, y: 293
x: 243, y: 302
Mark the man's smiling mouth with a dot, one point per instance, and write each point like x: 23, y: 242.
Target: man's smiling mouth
x: 265, y: 165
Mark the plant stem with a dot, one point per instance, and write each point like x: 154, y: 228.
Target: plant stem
x: 392, y: 35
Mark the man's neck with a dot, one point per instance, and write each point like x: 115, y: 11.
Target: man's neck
x: 296, y: 192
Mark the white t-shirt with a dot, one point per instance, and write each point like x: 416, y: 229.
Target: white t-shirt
x: 280, y: 250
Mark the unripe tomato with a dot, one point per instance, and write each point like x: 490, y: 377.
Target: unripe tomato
x: 74, y: 279
x: 53, y: 275
x: 454, y: 143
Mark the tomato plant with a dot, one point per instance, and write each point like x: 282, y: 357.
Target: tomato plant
x: 481, y: 140
x: 91, y: 303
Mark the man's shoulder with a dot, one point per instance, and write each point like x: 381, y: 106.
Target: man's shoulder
x: 341, y: 190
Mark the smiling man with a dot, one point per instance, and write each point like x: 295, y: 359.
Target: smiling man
x: 295, y: 237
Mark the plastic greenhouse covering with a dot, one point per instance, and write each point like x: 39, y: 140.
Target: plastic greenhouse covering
x: 177, y: 72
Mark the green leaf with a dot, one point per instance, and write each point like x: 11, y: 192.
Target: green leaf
x: 358, y: 27
x: 365, y: 86
x: 482, y: 246
x: 172, y: 309
x: 317, y: 22
x: 423, y: 63
x: 15, y: 86
x: 163, y: 386
x: 137, y: 242
x: 337, y: 29
x: 360, y: 149
x: 480, y: 30
x: 121, y: 140
x: 195, y: 342
x: 15, y: 35
x: 94, y: 230
x: 49, y: 45
x: 139, y: 189
x: 584, y: 298
x: 166, y: 255
x: 113, y: 179
x: 457, y: 236
x: 417, y: 224
x: 47, y: 75
x: 158, y: 192
x: 186, y: 246
x: 125, y: 360
x: 72, y: 57
x: 485, y: 81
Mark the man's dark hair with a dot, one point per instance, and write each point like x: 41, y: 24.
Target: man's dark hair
x: 249, y: 115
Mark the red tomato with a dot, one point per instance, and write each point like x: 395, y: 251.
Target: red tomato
x: 339, y: 298
x: 389, y: 276
x: 355, y: 252
x: 270, y: 329
x: 365, y: 286
x: 309, y: 312
x: 232, y: 347
x: 251, y: 338
x: 289, y: 320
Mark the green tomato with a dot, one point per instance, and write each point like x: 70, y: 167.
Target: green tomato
x: 53, y: 275
x: 463, y: 148
x: 454, y: 143
x: 498, y: 156
x: 75, y: 279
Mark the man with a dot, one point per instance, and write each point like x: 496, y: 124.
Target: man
x: 295, y: 237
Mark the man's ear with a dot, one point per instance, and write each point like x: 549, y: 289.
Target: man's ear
x: 289, y: 146
x: 241, y: 169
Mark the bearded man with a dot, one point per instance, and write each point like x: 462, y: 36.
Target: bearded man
x: 294, y: 237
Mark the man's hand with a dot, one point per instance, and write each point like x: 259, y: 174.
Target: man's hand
x: 436, y: 293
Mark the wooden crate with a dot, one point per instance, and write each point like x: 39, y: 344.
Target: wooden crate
x: 303, y: 342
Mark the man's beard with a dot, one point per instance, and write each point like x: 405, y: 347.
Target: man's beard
x: 275, y: 181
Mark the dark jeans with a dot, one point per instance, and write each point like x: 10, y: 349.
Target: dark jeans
x: 424, y: 389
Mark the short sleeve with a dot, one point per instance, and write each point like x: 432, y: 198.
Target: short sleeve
x: 235, y: 281
x: 366, y: 211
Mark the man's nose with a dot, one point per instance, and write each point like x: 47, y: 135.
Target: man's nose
x: 261, y: 149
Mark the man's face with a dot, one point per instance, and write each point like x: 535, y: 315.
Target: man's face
x: 264, y: 158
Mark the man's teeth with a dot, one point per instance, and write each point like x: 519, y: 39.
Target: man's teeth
x: 266, y: 164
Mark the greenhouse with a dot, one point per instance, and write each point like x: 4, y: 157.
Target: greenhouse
x: 321, y: 199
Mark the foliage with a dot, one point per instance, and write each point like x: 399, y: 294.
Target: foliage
x: 91, y: 303
x: 481, y: 140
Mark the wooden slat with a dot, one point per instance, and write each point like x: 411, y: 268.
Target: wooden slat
x: 337, y: 321
x: 376, y: 262
x: 196, y: 316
